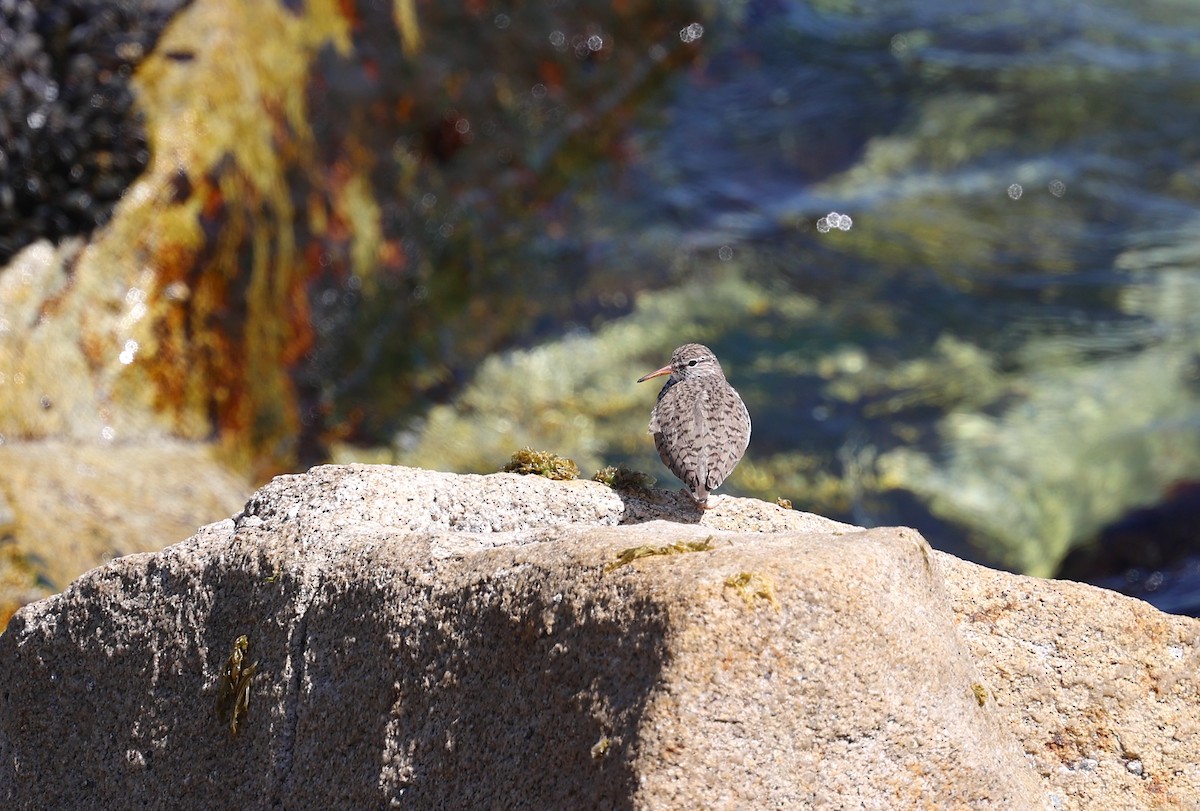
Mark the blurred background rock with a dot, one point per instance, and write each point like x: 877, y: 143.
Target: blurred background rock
x: 401, y: 232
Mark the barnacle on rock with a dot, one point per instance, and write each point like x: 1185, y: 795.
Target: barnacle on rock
x: 542, y: 463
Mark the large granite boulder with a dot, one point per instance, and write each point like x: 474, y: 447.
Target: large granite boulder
x: 427, y: 640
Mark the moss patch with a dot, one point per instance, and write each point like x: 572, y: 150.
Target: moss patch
x: 622, y: 478
x: 650, y: 550
x: 752, y: 586
x: 529, y: 462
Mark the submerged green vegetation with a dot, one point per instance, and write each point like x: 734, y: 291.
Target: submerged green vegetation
x: 1000, y: 350
x: 1028, y: 459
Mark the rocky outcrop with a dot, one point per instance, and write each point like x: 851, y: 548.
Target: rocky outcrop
x: 429, y: 640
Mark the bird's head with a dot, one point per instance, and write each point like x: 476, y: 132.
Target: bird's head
x: 688, y: 361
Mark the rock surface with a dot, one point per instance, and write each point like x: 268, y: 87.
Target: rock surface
x: 432, y: 640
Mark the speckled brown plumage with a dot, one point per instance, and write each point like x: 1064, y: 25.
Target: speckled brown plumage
x: 700, y: 425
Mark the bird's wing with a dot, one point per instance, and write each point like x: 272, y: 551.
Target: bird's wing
x: 699, y: 440
x: 744, y: 428
x: 730, y: 438
x: 654, y: 427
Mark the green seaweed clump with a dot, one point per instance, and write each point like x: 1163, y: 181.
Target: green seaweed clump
x: 527, y: 461
x: 622, y: 478
x: 648, y: 550
x: 752, y: 585
x: 233, y: 694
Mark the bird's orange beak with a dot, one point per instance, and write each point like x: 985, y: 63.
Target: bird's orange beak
x: 666, y: 370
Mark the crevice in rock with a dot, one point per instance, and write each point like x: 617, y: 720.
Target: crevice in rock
x: 297, y: 659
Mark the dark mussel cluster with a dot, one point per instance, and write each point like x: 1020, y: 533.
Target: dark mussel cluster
x: 71, y: 137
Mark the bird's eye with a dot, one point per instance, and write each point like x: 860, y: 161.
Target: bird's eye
x: 691, y: 363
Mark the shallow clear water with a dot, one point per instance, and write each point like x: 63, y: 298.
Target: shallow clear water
x: 1003, y: 345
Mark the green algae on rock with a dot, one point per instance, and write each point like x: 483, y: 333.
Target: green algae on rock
x: 619, y: 477
x: 751, y: 586
x: 633, y: 553
x: 233, y: 691
x: 527, y: 461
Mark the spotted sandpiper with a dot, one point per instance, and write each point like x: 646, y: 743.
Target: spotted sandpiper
x: 700, y: 425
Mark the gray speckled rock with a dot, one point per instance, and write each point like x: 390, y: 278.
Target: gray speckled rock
x: 429, y: 640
